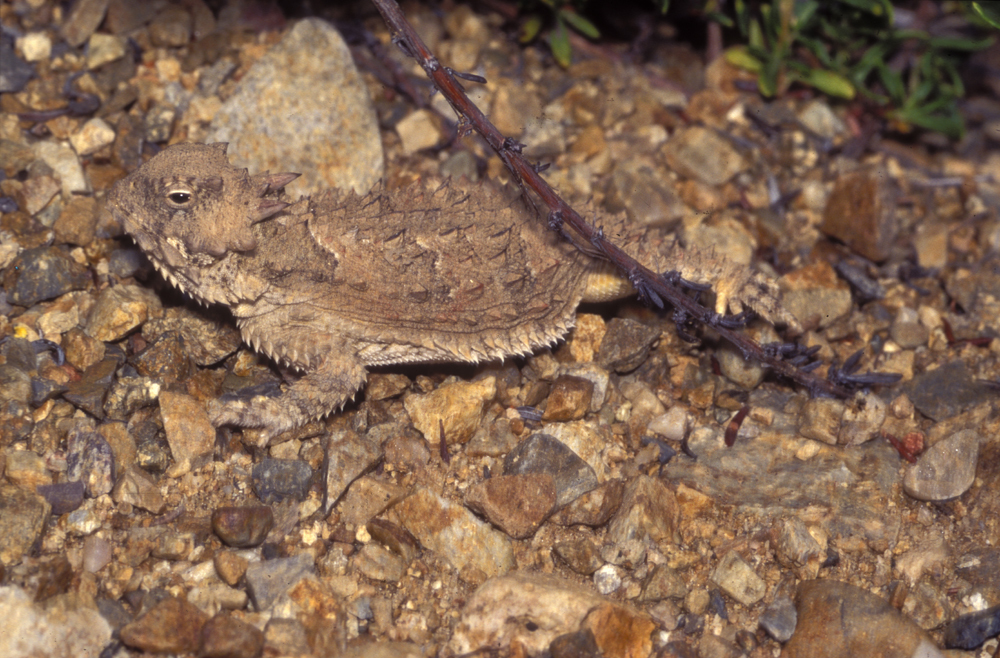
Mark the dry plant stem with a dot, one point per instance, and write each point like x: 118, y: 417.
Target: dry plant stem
x: 652, y: 285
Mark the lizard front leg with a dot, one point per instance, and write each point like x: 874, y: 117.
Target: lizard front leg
x: 324, y: 388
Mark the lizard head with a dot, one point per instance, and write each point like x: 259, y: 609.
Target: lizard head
x: 188, y: 209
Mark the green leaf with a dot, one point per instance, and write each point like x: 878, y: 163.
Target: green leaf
x: 956, y: 43
x: 903, y: 35
x: 921, y: 93
x: 988, y: 11
x: 559, y: 44
x: 869, y: 61
x: 957, y: 86
x: 835, y: 31
x: 756, y: 39
x: 949, y: 124
x: 664, y: 6
x: 874, y: 7
x: 720, y: 18
x: 579, y: 23
x: 830, y: 83
x: 759, y: 53
x: 772, y: 24
x: 530, y: 29
x: 819, y: 49
x: 940, y: 105
x: 767, y: 81
x: 795, y: 66
x: 893, y: 83
x: 804, y: 12
x: 738, y: 56
x: 742, y: 17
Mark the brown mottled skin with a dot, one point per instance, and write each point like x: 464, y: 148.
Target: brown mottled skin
x: 334, y: 283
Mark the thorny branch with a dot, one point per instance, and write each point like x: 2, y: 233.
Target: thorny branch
x: 653, y: 287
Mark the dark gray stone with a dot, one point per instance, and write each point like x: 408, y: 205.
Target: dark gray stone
x: 64, y: 497
x: 152, y: 452
x: 945, y: 392
x: 865, y: 288
x: 43, y: 273
x: 972, y: 630
x: 277, y: 479
x: 780, y: 618
x: 544, y: 455
x: 20, y: 354
x: 43, y: 390
x: 14, y: 71
x: 124, y: 263
x: 88, y: 393
x: 90, y: 460
x: 15, y: 384
x: 626, y: 344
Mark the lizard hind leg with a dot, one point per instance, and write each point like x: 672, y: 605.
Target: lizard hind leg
x: 324, y: 388
x: 736, y: 286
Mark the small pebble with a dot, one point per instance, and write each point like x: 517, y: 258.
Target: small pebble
x: 92, y: 137
x: 738, y: 580
x: 713, y: 646
x: 569, y: 399
x: 35, y: 46
x: 607, y: 579
x: 836, y: 619
x: 224, y: 636
x: 171, y: 626
x: 229, y: 566
x: 96, y: 553
x: 581, y: 555
x: 946, y: 470
x: 277, y: 479
x: 696, y: 601
x: 268, y: 580
x: 780, y: 618
x: 907, y: 330
x: 626, y: 344
x: 544, y: 455
x: 103, y: 49
x: 63, y: 496
x: 672, y: 425
x: 861, y: 213
x: 379, y: 563
x: 517, y: 504
x: 242, y: 527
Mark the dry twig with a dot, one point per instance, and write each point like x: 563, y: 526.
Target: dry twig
x: 654, y: 288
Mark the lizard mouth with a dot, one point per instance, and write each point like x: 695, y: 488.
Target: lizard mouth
x: 189, y: 287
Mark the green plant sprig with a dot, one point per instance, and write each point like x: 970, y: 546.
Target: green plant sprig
x: 842, y: 48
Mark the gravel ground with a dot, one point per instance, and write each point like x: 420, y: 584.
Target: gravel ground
x: 626, y: 493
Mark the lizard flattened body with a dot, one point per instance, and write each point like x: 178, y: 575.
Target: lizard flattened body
x: 335, y: 283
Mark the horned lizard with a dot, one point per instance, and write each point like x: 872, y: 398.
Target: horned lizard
x: 335, y: 283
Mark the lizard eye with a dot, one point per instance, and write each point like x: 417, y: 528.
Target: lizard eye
x: 179, y: 197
